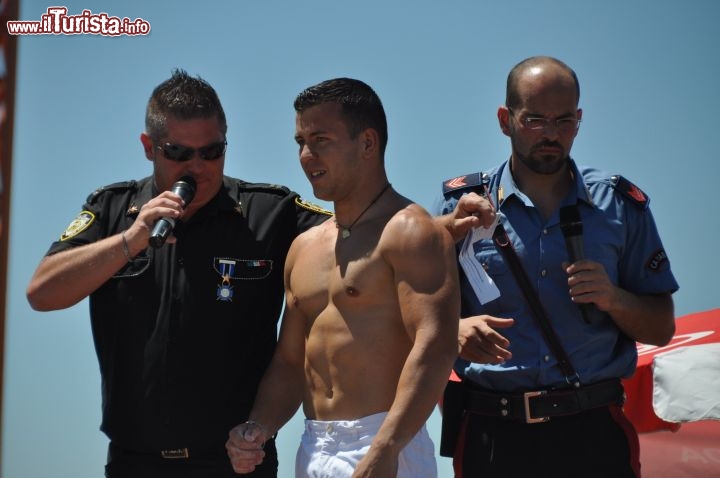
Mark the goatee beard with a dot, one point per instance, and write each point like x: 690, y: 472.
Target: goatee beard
x: 547, y: 164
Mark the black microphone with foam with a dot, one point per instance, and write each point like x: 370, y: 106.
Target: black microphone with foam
x: 185, y: 188
x: 572, y: 229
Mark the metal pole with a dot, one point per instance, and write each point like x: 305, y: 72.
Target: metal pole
x: 8, y: 52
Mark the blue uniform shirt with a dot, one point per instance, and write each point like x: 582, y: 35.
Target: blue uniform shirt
x: 619, y: 233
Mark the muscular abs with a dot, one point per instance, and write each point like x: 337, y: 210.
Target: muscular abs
x: 353, y: 326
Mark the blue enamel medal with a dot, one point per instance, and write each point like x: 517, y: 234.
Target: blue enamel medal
x: 225, y: 290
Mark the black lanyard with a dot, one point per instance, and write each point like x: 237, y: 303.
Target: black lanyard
x: 508, y: 251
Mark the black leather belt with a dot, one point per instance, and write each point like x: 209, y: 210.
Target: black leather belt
x: 540, y: 405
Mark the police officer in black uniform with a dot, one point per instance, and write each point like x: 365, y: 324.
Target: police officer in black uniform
x: 183, y: 331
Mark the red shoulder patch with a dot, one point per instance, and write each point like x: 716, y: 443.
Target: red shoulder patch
x: 630, y: 191
x: 456, y: 182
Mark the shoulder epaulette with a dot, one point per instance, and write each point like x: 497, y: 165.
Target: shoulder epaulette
x: 244, y: 186
x: 467, y: 181
x: 280, y: 189
x: 630, y: 191
x: 312, y: 207
x: 264, y: 187
x: 120, y: 186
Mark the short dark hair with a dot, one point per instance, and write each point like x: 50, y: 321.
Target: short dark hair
x: 512, y: 99
x: 182, y: 97
x: 361, y: 106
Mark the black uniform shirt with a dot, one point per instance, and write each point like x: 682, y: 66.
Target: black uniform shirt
x: 185, y: 332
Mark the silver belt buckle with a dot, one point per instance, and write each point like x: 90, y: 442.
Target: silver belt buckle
x: 178, y: 453
x: 526, y: 401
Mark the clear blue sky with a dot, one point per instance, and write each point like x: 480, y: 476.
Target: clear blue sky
x: 648, y: 69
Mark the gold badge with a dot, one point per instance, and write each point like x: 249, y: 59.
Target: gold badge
x: 79, y: 224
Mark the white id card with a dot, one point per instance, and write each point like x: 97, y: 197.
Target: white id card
x: 483, y: 285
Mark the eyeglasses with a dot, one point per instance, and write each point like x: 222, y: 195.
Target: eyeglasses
x: 536, y: 123
x: 180, y: 153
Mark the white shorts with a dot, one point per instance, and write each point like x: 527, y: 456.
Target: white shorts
x: 332, y: 449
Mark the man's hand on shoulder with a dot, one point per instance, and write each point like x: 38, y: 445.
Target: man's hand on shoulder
x: 472, y: 210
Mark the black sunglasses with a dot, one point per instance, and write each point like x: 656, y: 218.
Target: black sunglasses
x: 180, y: 153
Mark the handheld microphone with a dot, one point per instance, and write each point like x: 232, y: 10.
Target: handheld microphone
x: 185, y: 188
x: 572, y: 229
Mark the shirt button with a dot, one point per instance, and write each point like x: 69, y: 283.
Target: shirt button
x: 545, y: 232
x: 543, y: 272
x: 546, y: 358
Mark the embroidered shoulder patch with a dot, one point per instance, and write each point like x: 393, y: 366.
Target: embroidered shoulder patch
x: 312, y: 207
x: 657, y: 260
x: 78, y: 225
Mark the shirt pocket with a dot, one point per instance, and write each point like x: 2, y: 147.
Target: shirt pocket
x: 495, y: 266
x: 491, y: 260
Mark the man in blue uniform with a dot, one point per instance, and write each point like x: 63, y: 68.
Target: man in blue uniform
x: 545, y: 402
x: 183, y: 332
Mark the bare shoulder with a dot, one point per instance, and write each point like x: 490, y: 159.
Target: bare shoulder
x: 413, y: 223
x: 411, y: 239
x: 421, y: 253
